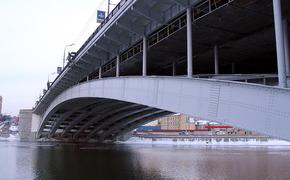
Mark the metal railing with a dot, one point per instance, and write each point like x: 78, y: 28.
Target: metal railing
x: 199, y: 10
x: 107, y: 19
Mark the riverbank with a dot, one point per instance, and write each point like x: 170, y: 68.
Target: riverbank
x: 10, y: 137
x: 207, y: 141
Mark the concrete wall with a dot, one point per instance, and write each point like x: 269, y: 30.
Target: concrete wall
x: 25, y: 125
x: 35, y: 123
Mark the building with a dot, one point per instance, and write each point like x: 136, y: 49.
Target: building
x: 0, y: 104
x: 152, y: 123
x: 176, y: 122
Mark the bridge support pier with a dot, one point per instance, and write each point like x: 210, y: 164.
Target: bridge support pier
x: 216, y: 60
x: 173, y: 68
x: 118, y: 66
x: 286, y: 45
x: 279, y: 43
x: 28, y: 124
x: 233, y: 68
x: 100, y: 72
x: 189, y: 41
x: 144, y: 60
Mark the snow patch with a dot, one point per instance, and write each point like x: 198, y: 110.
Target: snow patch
x: 11, y: 138
x: 213, y: 142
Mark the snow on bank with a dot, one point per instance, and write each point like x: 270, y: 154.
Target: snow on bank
x: 11, y: 138
x: 213, y: 142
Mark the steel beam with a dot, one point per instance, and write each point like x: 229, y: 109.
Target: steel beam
x: 173, y: 68
x: 64, y: 116
x: 100, y: 105
x: 116, y: 118
x: 189, y: 41
x: 133, y: 118
x: 105, y: 115
x: 279, y: 43
x: 135, y: 124
x: 101, y: 48
x: 95, y: 57
x: 180, y: 2
x: 119, y: 43
x: 216, y: 60
x: 286, y: 46
x: 144, y: 59
x: 118, y: 66
x: 146, y: 15
x: 100, y: 72
x: 233, y: 65
x: 126, y: 28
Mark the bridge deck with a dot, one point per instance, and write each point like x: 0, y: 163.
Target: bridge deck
x: 242, y: 30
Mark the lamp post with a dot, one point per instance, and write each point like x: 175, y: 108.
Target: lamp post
x: 48, y: 82
x: 63, y: 58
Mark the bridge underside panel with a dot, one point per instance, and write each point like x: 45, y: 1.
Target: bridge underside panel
x: 104, y: 109
x: 96, y: 118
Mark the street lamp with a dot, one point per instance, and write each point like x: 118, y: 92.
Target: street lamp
x: 63, y: 58
x: 48, y: 82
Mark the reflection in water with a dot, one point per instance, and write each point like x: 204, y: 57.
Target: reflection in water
x: 43, y: 161
x: 76, y: 162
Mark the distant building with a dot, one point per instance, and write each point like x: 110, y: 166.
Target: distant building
x: 176, y: 122
x: 152, y: 123
x: 0, y: 104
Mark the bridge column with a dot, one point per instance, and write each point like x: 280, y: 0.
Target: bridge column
x: 286, y: 45
x: 189, y: 41
x: 233, y: 68
x: 118, y: 66
x: 279, y: 43
x: 173, y: 68
x: 100, y: 72
x: 216, y: 60
x: 144, y: 60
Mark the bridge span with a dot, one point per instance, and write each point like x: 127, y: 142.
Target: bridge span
x: 104, y: 109
x: 221, y: 60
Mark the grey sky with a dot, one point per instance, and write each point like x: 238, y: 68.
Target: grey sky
x: 33, y: 34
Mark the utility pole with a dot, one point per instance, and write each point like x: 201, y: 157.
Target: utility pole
x: 109, y: 3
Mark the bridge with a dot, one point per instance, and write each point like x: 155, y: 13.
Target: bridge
x: 220, y: 60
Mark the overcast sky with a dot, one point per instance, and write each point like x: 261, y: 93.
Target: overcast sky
x: 33, y: 34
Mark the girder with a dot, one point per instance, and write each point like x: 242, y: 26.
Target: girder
x: 139, y: 122
x: 133, y: 118
x: 126, y: 28
x: 62, y: 118
x: 147, y: 15
x: 100, y: 105
x: 104, y: 116
x: 116, y: 118
x: 180, y: 2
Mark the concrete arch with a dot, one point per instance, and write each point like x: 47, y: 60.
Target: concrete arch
x: 259, y: 108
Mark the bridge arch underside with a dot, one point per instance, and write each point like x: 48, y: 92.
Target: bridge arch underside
x: 98, y: 119
x: 104, y: 109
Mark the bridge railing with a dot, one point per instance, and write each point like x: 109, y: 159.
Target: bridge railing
x: 162, y: 34
x: 199, y: 10
x: 106, y: 20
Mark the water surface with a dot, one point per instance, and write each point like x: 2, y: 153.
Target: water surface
x: 22, y: 160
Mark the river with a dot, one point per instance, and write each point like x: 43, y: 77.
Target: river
x: 27, y: 161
